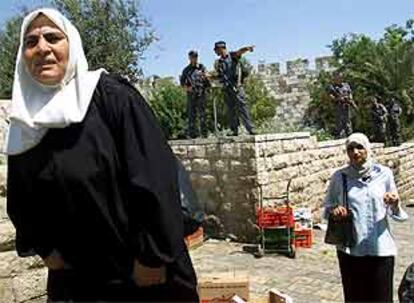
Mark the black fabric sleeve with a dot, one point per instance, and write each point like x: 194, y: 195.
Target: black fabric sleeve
x: 155, y: 218
x: 20, y: 216
x: 183, y: 77
x: 235, y: 56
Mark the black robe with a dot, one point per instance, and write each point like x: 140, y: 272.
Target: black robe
x: 103, y: 192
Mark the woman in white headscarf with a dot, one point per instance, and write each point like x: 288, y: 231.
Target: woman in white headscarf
x: 92, y: 184
x: 367, y: 267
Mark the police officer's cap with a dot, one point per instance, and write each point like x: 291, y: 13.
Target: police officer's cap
x: 219, y: 44
x: 193, y: 53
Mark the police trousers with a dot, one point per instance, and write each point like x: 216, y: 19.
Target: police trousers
x: 196, y: 106
x: 237, y: 109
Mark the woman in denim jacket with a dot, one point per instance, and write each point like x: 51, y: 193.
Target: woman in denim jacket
x: 367, y: 268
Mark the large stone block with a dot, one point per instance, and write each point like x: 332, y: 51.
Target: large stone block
x: 238, y: 167
x: 212, y: 151
x: 196, y: 151
x: 180, y: 151
x: 200, y: 165
x: 248, y: 150
x: 11, y: 264
x: 7, y: 236
x: 230, y: 150
x: 207, y: 181
x: 221, y: 166
x: 30, y: 285
x: 6, y: 291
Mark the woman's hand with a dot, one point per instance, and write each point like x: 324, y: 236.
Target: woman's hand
x: 54, y: 261
x: 339, y: 212
x: 391, y: 199
x: 148, y: 276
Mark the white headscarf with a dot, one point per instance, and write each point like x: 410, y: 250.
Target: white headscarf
x: 36, y: 107
x: 354, y: 171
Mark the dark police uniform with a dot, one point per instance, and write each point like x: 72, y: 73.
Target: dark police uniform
x: 379, y: 120
x: 342, y: 92
x: 230, y: 74
x: 193, y: 76
x: 394, y: 125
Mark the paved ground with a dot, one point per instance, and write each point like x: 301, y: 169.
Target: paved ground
x: 312, y: 277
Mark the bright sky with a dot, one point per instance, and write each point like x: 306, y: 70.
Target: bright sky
x: 280, y: 29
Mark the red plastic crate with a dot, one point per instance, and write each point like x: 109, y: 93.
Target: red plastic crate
x: 274, y: 217
x: 304, y: 238
x: 195, y: 240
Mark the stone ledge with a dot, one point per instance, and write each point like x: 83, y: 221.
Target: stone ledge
x: 243, y: 139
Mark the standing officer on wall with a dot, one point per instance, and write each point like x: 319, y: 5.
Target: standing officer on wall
x: 194, y: 81
x: 394, y: 124
x: 379, y: 120
x: 231, y: 73
x: 341, y: 93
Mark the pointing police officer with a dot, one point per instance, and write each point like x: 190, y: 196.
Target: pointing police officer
x: 231, y: 74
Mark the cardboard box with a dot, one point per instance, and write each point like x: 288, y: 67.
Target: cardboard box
x: 237, y: 299
x: 303, y: 218
x: 276, y: 296
x: 222, y: 287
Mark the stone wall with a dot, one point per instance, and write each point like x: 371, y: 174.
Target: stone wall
x: 291, y: 89
x: 224, y: 174
x: 230, y: 174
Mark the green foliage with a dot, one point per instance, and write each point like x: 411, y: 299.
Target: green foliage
x: 168, y: 101
x: 382, y: 68
x: 9, y: 44
x: 114, y: 33
x: 262, y: 105
x: 321, y: 109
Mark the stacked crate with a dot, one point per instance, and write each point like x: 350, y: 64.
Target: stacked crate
x: 278, y: 227
x: 303, y: 227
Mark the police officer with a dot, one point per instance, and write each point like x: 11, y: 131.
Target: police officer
x: 194, y: 80
x: 230, y: 72
x: 340, y: 92
x: 379, y: 120
x: 394, y: 125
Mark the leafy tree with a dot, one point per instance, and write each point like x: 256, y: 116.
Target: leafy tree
x: 168, y: 100
x: 115, y: 35
x: 262, y: 104
x: 9, y: 44
x: 382, y: 68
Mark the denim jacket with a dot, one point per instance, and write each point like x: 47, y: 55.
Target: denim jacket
x: 366, y: 201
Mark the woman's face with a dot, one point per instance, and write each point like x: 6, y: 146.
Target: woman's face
x: 45, y: 51
x: 357, y: 154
